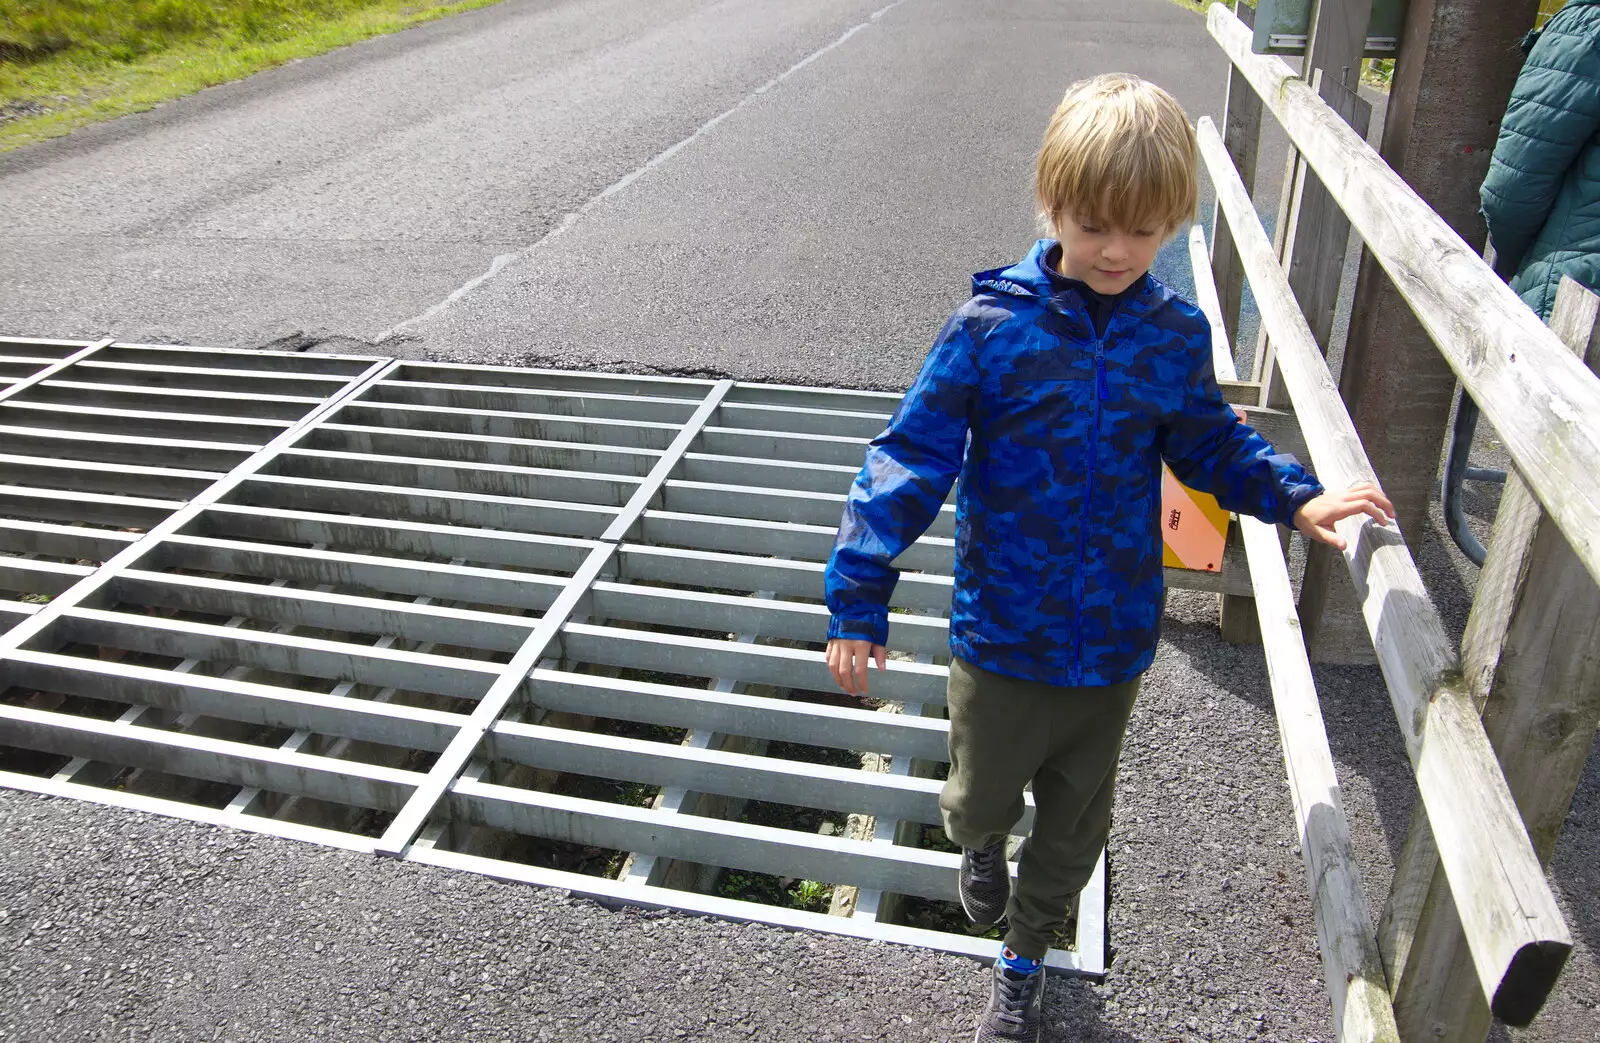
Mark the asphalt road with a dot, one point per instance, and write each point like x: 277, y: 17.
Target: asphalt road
x: 840, y: 168
x: 769, y: 190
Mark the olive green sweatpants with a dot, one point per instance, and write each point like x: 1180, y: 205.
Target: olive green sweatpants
x: 1005, y: 733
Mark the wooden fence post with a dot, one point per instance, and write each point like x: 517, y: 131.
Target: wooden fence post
x: 1312, y: 232
x: 1241, y: 121
x: 1458, y: 60
x: 1531, y: 655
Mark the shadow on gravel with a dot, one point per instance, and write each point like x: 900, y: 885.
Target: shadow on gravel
x: 1576, y: 865
x: 1362, y: 732
x: 1072, y: 1009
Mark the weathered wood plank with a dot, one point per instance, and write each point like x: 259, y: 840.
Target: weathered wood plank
x: 1509, y: 915
x: 1317, y: 236
x: 1350, y: 962
x: 1241, y: 122
x: 1538, y: 396
x: 1205, y: 291
x: 1236, y: 613
x: 1532, y: 659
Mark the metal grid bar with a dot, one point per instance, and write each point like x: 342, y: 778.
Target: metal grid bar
x: 50, y: 369
x: 31, y: 627
x: 405, y: 826
x: 426, y: 516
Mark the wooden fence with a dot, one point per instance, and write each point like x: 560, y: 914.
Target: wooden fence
x: 1497, y: 733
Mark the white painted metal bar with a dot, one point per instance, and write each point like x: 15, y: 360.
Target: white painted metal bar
x: 208, y: 378
x: 94, y: 476
x: 789, y: 475
x: 239, y: 763
x: 235, y: 700
x: 64, y: 505
x: 779, y: 505
x: 765, y: 849
x: 715, y: 771
x: 930, y: 554
x: 700, y: 610
x: 484, y: 449
x: 50, y: 369
x: 465, y: 583
x: 805, y: 421
x: 749, y: 393
x: 181, y: 810
x: 460, y: 476
x: 32, y: 576
x: 834, y: 450
x: 286, y: 653
x: 502, y: 423
x: 252, y: 431
x: 125, y: 447
x: 349, y: 367
x: 172, y: 399
x: 689, y: 389
x: 479, y: 510
x: 294, y: 607
x: 533, y: 400
x: 398, y: 537
x: 694, y: 568
x: 730, y: 713
x: 53, y: 347
x: 762, y: 664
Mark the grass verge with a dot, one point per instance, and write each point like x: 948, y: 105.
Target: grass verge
x: 68, y: 63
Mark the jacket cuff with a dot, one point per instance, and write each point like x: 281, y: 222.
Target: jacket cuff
x: 1297, y: 496
x: 875, y: 629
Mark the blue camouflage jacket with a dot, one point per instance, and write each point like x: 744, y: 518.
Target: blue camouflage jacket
x: 1058, y: 436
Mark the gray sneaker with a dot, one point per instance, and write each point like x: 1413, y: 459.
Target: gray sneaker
x: 985, y: 883
x: 1015, y: 1008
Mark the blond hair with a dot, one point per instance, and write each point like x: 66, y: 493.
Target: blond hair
x: 1119, y: 150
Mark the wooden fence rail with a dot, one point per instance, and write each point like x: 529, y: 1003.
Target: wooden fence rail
x: 1352, y: 966
x: 1540, y: 398
x: 1518, y: 939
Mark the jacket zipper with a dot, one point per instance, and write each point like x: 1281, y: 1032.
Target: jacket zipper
x: 1088, y: 505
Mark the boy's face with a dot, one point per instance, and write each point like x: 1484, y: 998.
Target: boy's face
x: 1107, y: 259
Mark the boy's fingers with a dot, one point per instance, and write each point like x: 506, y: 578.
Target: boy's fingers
x: 881, y: 654
x: 835, y: 666
x: 861, y: 658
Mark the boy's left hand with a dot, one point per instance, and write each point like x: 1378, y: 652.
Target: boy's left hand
x: 1316, y: 518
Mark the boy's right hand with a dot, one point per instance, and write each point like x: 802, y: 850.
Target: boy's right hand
x: 848, y: 662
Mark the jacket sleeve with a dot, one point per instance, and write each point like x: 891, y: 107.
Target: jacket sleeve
x: 908, y: 473
x: 1209, y: 448
x: 1554, y: 111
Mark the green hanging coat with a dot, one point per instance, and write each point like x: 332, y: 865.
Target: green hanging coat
x: 1542, y: 195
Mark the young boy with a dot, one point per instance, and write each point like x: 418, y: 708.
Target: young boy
x: 1055, y: 394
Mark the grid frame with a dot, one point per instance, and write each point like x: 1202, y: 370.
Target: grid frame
x: 392, y: 625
